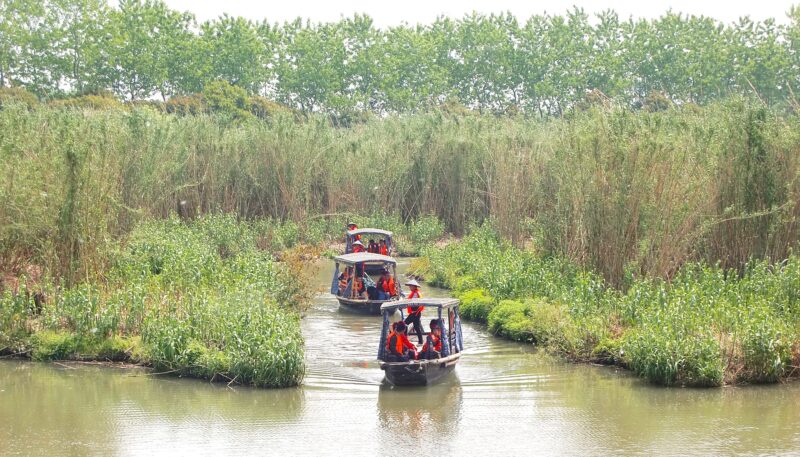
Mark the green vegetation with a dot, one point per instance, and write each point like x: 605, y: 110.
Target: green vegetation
x: 197, y: 299
x: 541, y: 65
x: 705, y: 327
x: 626, y: 194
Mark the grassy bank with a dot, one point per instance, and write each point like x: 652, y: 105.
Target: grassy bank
x: 198, y: 299
x: 708, y: 326
x: 625, y: 193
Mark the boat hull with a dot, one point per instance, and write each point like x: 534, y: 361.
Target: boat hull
x: 372, y: 307
x: 419, y: 372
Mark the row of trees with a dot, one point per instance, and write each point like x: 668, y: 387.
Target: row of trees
x: 143, y: 49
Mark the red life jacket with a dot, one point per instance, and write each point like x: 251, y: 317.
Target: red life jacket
x: 409, y: 309
x: 383, y: 250
x: 397, y: 343
x: 387, y: 285
x: 437, y: 344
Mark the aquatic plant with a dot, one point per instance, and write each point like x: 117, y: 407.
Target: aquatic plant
x: 706, y: 327
x: 196, y: 299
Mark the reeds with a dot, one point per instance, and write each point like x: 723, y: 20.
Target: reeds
x: 629, y: 194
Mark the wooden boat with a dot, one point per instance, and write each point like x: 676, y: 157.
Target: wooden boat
x: 423, y: 372
x: 359, y: 265
x: 351, y: 236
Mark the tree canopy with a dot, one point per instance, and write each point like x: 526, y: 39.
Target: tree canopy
x: 142, y: 49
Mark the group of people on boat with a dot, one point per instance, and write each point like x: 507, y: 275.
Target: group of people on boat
x: 398, y: 346
x: 400, y: 349
x: 373, y: 247
x: 384, y: 289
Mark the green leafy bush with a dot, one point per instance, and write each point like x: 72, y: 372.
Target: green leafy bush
x: 476, y: 304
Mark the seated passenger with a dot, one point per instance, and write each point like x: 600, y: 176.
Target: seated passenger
x: 382, y: 248
x: 358, y: 246
x: 343, y: 278
x: 358, y: 287
x: 372, y: 247
x: 386, y: 288
x: 398, y: 348
x: 432, y: 349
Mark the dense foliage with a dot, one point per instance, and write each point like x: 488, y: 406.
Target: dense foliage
x: 197, y: 299
x: 545, y: 64
x: 708, y: 326
x: 629, y: 193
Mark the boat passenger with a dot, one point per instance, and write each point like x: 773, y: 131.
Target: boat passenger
x: 372, y: 247
x: 386, y: 287
x: 343, y: 278
x: 397, y: 344
x: 432, y: 349
x: 382, y: 249
x: 415, y: 312
x: 351, y: 226
x: 358, y: 287
x: 358, y: 246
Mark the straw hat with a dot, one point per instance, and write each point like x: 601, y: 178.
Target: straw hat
x: 358, y: 242
x: 413, y: 282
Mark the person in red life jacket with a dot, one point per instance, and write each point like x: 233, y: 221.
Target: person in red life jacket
x: 414, y: 312
x: 372, y: 247
x: 358, y: 287
x: 432, y: 349
x: 385, y: 286
x: 350, y: 227
x: 414, y: 286
x: 398, y: 348
x: 358, y: 246
x: 382, y: 249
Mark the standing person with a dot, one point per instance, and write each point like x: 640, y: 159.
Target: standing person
x: 414, y: 286
x: 415, y: 311
x: 350, y: 227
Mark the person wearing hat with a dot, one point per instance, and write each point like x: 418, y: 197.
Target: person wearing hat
x: 358, y: 246
x: 432, y: 349
x: 415, y: 311
x: 350, y: 227
x: 397, y: 345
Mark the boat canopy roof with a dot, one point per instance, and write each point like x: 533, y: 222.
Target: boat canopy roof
x: 369, y: 230
x: 361, y: 257
x: 427, y: 302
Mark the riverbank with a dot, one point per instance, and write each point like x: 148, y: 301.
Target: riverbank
x: 196, y: 299
x: 705, y: 327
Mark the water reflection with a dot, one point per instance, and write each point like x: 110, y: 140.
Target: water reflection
x: 420, y: 411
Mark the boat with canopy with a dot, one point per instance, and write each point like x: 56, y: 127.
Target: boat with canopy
x: 420, y: 372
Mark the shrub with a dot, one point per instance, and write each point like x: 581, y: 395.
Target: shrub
x: 186, y: 105
x: 98, y: 102
x: 476, y: 305
x: 53, y: 345
x: 225, y: 98
x: 17, y: 95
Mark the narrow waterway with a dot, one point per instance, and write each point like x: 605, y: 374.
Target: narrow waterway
x: 504, y: 399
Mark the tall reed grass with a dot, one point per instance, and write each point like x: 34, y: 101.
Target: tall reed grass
x: 629, y: 194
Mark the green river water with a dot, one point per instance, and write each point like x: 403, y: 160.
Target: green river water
x: 504, y: 399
